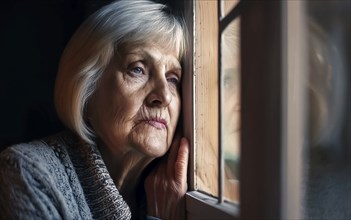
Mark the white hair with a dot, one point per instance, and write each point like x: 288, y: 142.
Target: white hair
x: 97, y: 40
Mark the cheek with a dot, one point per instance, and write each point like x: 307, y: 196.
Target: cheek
x: 119, y: 117
x: 175, y: 109
x: 125, y: 110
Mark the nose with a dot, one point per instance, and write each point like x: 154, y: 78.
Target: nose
x: 160, y: 94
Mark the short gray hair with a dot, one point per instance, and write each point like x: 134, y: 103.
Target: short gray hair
x: 97, y: 40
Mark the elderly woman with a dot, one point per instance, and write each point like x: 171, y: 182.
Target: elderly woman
x: 118, y: 93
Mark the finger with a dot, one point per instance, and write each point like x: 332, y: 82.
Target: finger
x: 173, y: 152
x: 181, y: 164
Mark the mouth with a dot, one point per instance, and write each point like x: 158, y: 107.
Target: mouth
x: 159, y: 124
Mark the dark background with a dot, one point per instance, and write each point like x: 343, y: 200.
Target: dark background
x: 33, y: 35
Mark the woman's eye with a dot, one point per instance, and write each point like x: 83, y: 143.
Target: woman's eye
x: 136, y: 71
x: 173, y: 80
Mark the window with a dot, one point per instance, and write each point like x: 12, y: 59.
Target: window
x: 327, y: 166
x: 212, y: 83
x: 290, y: 86
x: 316, y: 180
x: 217, y: 100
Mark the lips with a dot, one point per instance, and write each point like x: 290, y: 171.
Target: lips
x: 157, y: 123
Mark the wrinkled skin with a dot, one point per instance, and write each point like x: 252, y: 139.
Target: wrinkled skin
x: 137, y: 103
x: 134, y: 112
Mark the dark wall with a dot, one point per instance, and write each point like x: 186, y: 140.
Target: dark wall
x: 33, y: 35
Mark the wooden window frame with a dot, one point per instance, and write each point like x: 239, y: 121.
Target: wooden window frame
x: 266, y: 67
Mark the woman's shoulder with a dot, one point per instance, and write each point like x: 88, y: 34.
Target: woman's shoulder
x: 45, y: 162
x: 39, y: 177
x: 40, y: 153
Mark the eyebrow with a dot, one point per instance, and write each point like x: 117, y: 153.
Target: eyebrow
x: 143, y: 53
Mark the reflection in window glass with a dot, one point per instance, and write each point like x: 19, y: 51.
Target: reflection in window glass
x: 227, y: 6
x: 328, y: 174
x: 206, y: 101
x: 230, y: 109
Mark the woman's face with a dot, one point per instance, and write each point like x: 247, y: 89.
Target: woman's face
x: 137, y: 102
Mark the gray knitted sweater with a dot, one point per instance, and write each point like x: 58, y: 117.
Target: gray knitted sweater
x: 58, y: 177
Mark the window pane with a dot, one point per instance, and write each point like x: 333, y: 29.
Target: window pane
x: 230, y: 109
x: 227, y: 6
x: 328, y: 191
x: 206, y: 101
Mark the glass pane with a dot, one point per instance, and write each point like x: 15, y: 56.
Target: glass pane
x: 328, y: 173
x: 227, y: 6
x: 230, y: 60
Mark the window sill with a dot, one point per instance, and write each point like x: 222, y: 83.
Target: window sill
x: 201, y: 206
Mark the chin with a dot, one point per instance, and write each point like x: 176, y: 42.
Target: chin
x: 154, y: 152
x: 154, y: 149
x: 149, y: 141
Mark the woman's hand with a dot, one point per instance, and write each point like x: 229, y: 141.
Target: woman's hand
x: 166, y: 185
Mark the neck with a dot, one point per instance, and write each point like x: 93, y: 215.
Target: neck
x: 125, y: 169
